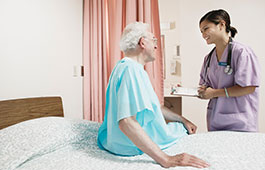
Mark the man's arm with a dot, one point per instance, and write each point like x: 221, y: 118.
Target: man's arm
x: 132, y: 129
x: 172, y: 116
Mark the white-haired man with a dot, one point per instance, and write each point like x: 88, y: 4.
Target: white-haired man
x: 133, y: 122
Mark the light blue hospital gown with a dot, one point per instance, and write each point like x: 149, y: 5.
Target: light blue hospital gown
x: 130, y: 93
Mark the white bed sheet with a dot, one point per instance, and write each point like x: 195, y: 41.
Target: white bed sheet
x: 59, y: 143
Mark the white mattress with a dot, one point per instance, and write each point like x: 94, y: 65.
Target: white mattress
x: 59, y: 143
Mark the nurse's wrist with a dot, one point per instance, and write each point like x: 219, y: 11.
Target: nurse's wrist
x: 219, y: 93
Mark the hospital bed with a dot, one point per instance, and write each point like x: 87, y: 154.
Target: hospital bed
x: 39, y: 137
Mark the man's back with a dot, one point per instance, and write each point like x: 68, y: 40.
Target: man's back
x: 130, y: 93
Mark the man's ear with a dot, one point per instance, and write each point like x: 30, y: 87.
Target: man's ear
x: 141, y: 42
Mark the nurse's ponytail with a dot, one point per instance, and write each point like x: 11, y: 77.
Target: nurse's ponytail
x: 233, y: 31
x: 215, y: 16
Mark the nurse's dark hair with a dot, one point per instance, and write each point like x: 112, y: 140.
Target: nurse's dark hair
x: 215, y: 16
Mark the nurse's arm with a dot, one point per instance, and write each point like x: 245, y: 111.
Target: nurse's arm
x: 132, y: 129
x: 234, y: 91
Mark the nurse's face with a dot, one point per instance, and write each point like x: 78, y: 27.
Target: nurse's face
x: 210, y: 31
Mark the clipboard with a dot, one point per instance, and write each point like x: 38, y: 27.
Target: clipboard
x: 184, y: 91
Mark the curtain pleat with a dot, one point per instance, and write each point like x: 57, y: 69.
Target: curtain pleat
x: 104, y: 21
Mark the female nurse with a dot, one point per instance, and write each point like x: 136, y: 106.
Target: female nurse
x: 229, y: 77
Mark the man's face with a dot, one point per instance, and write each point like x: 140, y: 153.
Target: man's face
x: 151, y: 46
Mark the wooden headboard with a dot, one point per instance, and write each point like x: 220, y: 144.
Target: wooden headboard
x: 18, y: 110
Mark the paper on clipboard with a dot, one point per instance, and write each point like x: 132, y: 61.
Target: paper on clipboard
x: 184, y: 91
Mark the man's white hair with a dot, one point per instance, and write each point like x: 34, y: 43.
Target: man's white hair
x: 132, y: 34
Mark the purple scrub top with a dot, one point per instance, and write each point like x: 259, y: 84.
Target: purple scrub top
x: 234, y: 113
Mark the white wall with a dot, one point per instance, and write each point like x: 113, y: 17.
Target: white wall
x: 40, y: 43
x: 169, y: 14
x: 246, y: 15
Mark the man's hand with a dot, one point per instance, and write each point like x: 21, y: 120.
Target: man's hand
x: 189, y: 126
x: 185, y: 159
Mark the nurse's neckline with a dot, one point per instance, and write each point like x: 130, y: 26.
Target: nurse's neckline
x: 222, y: 46
x: 222, y: 56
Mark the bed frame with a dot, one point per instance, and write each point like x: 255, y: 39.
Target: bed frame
x: 18, y: 110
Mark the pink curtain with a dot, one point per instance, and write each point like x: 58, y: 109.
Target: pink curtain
x: 104, y: 21
x: 95, y: 58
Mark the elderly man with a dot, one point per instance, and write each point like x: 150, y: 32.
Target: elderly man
x: 133, y: 122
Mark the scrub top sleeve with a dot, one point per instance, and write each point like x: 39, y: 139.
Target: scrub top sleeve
x: 247, y: 72
x: 133, y: 97
x: 202, y: 73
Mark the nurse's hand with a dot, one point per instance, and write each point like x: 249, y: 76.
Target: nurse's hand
x: 206, y: 93
x: 189, y: 126
x: 201, y: 90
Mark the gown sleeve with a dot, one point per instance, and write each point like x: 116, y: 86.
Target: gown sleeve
x: 247, y: 72
x: 133, y: 97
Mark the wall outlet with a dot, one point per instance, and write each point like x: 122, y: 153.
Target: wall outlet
x: 77, y: 71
